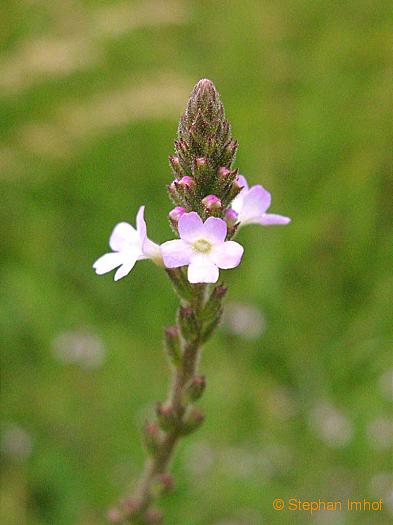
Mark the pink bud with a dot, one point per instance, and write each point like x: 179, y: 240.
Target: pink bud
x: 201, y: 161
x: 211, y: 202
x: 224, y: 172
x: 232, y: 146
x: 175, y: 163
x: 172, y: 188
x: 186, y: 182
x: 176, y: 213
x: 151, y: 429
x: 166, y: 481
x: 230, y: 217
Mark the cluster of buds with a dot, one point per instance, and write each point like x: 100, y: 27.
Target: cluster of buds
x: 204, y: 180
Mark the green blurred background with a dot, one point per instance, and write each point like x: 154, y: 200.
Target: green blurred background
x: 300, y: 374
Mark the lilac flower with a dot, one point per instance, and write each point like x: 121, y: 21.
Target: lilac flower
x: 129, y: 245
x: 252, y: 203
x: 202, y: 247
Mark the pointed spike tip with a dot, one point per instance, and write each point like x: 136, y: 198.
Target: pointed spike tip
x: 205, y: 83
x: 205, y: 88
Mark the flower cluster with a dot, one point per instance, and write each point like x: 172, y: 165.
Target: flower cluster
x: 212, y: 201
x: 203, y: 246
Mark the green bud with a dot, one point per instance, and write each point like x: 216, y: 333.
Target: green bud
x: 228, y: 155
x: 188, y: 323
x: 192, y: 421
x: 195, y: 388
x: 175, y: 165
x: 151, y: 437
x: 211, y: 325
x: 234, y: 190
x: 166, y: 417
x: 162, y: 483
x: 173, y: 344
x: 180, y: 283
x: 214, y: 302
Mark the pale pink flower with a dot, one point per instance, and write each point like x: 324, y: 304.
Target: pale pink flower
x: 252, y: 204
x: 129, y: 245
x: 202, y: 246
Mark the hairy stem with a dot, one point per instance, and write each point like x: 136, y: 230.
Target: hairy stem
x: 158, y: 464
x: 177, y: 416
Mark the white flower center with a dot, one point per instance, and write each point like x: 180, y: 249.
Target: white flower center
x: 202, y: 246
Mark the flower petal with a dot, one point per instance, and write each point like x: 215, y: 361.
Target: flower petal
x: 123, y: 237
x: 227, y: 255
x: 108, y: 262
x: 125, y: 269
x: 202, y: 270
x: 271, y: 218
x: 176, y: 253
x: 215, y: 229
x: 190, y: 226
x: 255, y: 203
x: 141, y: 224
x: 151, y: 250
x: 237, y: 203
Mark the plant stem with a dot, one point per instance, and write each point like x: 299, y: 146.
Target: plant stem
x: 158, y: 464
x: 177, y: 410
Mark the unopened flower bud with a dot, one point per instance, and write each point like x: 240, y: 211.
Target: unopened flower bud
x: 192, y: 421
x: 188, y: 323
x: 219, y: 291
x: 238, y: 183
x: 181, y: 147
x: 213, y: 306
x: 224, y: 172
x: 236, y: 188
x: 196, y: 387
x: 175, y: 164
x: 230, y: 217
x: 200, y: 161
x: 173, y: 344
x: 186, y: 182
x: 166, y: 416
x: 175, y: 214
x: 151, y: 437
x: 229, y: 153
x: 211, y: 202
x: 172, y: 189
x: 166, y: 481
